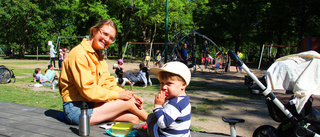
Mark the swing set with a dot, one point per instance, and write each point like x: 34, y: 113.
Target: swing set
x: 270, y: 56
x: 149, y: 47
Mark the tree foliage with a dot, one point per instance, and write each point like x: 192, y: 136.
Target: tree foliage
x: 234, y: 24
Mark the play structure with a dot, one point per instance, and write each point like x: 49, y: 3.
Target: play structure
x: 310, y: 43
x: 200, y: 49
x: 271, y: 52
x: 69, y: 37
x: 147, y: 47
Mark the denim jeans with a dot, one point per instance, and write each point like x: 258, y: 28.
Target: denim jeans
x: 72, y: 111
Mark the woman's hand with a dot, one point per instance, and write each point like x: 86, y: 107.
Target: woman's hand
x: 159, y: 99
x: 125, y: 95
x: 139, y: 101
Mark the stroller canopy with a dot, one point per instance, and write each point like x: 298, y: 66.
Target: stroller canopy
x: 299, y: 73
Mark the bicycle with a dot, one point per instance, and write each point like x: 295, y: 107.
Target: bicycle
x: 6, y: 75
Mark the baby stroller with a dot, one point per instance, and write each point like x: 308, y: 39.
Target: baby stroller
x: 6, y: 75
x: 291, y: 87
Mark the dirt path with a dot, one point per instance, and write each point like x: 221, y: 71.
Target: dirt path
x: 253, y: 111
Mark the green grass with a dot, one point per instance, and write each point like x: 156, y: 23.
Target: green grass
x: 195, y: 128
x: 203, y: 119
x: 206, y: 106
x: 24, y: 95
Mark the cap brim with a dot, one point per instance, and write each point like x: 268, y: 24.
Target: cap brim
x: 158, y: 70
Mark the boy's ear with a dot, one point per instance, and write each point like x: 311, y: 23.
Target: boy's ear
x: 184, y: 85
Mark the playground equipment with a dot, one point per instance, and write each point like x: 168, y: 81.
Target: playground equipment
x: 269, y: 53
x: 1, y: 51
x: 148, y: 47
x: 69, y: 37
x: 196, y: 44
x: 310, y: 43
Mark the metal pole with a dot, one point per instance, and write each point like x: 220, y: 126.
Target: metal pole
x: 37, y: 53
x: 261, y: 56
x: 166, y: 37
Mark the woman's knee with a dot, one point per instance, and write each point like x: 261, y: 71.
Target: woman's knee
x: 134, y: 119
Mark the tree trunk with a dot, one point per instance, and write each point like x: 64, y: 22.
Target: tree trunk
x: 279, y: 49
x: 22, y: 50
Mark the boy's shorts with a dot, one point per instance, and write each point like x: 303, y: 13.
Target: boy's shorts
x: 151, y: 121
x: 72, y: 111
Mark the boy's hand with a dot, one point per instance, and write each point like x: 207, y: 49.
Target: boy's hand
x: 159, y: 99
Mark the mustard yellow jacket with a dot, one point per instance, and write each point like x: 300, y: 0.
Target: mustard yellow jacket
x: 85, y: 77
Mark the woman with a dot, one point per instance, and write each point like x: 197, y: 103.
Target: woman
x: 142, y: 76
x: 85, y: 77
x: 48, y: 77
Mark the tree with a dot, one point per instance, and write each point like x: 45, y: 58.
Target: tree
x: 22, y: 23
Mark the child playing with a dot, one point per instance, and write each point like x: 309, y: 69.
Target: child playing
x: 172, y: 110
x: 60, y: 58
x: 119, y: 72
x: 147, y: 59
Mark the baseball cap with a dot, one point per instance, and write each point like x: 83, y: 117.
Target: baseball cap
x: 121, y: 61
x: 175, y: 67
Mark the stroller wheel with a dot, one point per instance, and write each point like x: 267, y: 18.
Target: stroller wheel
x: 265, y: 131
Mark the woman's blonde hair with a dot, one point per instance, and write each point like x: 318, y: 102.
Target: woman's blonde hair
x: 101, y: 23
x: 166, y: 75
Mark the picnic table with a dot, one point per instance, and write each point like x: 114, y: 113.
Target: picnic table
x: 18, y: 120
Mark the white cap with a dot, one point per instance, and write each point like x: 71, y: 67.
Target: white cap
x: 175, y: 67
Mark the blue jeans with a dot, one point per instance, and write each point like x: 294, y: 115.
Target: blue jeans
x: 72, y: 111
x: 185, y: 62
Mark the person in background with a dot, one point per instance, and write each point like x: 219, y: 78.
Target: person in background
x: 238, y: 67
x: 119, y: 72
x: 49, y: 77
x: 141, y: 77
x: 61, y: 58
x: 12, y: 52
x: 52, y: 55
x: 183, y: 54
x: 120, y: 64
x: 147, y: 59
x: 66, y: 51
x: 172, y: 110
x: 159, y: 58
x: 85, y: 78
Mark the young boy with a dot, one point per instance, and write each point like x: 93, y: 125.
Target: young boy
x: 172, y: 110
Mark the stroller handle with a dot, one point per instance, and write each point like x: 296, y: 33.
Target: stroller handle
x: 266, y: 93
x: 246, y: 69
x: 235, y: 57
